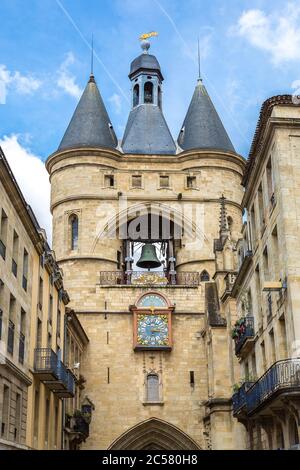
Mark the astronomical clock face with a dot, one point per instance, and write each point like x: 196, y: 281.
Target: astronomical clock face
x: 152, y: 330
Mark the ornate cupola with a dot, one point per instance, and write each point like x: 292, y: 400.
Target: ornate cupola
x: 147, y: 131
x: 202, y: 127
x: 90, y: 125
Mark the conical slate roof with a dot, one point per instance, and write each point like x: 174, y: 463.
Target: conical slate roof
x: 90, y: 125
x: 147, y: 132
x: 202, y: 127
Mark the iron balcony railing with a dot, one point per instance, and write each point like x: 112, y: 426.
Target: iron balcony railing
x: 282, y: 376
x: 46, y: 361
x: 53, y: 371
x: 81, y: 426
x: 239, y: 397
x: 149, y: 278
x: 246, y: 331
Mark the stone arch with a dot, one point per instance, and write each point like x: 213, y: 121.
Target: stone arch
x: 174, y: 214
x: 154, y: 434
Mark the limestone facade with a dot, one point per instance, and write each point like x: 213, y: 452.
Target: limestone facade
x: 32, y: 329
x: 115, y: 373
x: 268, y: 351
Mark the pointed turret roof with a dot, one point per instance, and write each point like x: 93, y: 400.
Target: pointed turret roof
x: 147, y: 132
x: 202, y: 127
x: 90, y: 125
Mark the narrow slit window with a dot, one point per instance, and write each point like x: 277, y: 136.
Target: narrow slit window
x: 74, y: 232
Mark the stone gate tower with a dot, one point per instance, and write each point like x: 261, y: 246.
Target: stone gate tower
x: 157, y: 365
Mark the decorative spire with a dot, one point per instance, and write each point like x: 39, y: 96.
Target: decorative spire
x: 92, y: 57
x: 223, y: 219
x: 199, y: 63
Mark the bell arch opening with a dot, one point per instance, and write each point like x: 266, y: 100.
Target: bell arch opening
x: 154, y: 434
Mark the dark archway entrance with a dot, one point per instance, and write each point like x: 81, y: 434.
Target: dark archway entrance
x: 154, y: 434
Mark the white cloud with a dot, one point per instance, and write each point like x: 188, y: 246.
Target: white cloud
x: 277, y: 33
x: 66, y: 80
x: 115, y: 99
x: 32, y: 177
x: 15, y: 81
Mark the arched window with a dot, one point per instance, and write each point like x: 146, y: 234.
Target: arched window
x: 148, y: 92
x: 159, y: 97
x: 136, y: 95
x: 74, y: 231
x: 152, y: 387
x: 204, y: 276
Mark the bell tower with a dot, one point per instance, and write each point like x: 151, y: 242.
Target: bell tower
x: 146, y: 79
x: 134, y: 224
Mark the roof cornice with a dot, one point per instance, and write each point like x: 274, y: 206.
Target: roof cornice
x: 22, y: 208
x: 260, y: 132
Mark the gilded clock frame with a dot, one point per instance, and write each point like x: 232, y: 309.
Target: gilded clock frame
x: 137, y: 310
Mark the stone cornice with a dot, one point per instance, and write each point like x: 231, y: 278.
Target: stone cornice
x: 259, y: 136
x: 18, y: 201
x: 117, y: 156
x: 140, y: 198
x: 16, y: 371
x: 266, y: 139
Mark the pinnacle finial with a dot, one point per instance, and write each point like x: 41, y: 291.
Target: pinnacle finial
x: 145, y: 45
x: 92, y: 58
x: 199, y: 62
x: 223, y: 215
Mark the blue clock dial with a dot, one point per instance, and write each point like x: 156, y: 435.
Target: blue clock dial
x: 153, y: 330
x: 152, y: 300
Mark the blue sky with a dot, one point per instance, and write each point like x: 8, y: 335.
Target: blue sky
x: 250, y: 51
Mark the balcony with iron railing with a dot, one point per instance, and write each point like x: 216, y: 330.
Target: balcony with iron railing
x: 283, y: 377
x: 239, y: 398
x: 243, y: 335
x: 160, y: 278
x: 51, y: 370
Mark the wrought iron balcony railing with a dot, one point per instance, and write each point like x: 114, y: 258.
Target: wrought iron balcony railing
x: 81, y: 426
x: 46, y: 363
x: 53, y: 372
x: 282, y: 376
x: 245, y: 332
x: 239, y: 397
x: 149, y: 278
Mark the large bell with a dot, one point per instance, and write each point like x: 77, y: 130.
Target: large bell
x: 148, y: 259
